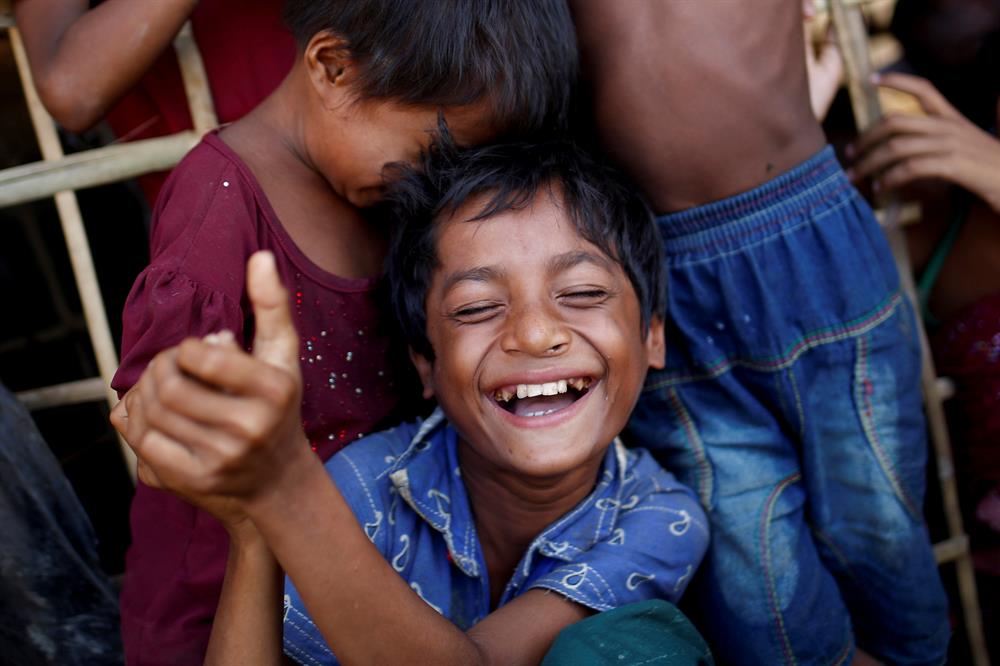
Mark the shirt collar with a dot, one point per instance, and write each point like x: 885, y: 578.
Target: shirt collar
x: 428, y: 478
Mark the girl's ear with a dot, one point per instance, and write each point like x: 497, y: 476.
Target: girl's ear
x: 426, y: 371
x: 656, y: 346
x: 330, y: 68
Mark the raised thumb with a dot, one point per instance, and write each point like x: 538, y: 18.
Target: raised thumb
x: 275, y: 339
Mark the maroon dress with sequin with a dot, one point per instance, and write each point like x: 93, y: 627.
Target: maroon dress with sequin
x: 210, y: 217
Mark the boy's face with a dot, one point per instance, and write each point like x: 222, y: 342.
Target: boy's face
x: 521, y: 305
x: 365, y: 136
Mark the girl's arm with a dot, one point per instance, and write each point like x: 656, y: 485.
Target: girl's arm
x: 84, y: 60
x: 247, y: 626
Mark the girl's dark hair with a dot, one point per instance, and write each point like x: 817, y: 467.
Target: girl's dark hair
x: 605, y: 209
x: 520, y: 55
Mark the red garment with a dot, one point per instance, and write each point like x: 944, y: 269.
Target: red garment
x: 967, y: 349
x: 212, y: 215
x: 247, y: 52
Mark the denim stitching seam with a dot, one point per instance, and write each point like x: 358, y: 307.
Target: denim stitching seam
x: 817, y: 338
x: 844, y: 653
x: 798, y: 403
x: 866, y: 389
x: 697, y: 446
x: 766, y: 563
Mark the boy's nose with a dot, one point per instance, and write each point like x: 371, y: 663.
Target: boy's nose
x: 536, y: 332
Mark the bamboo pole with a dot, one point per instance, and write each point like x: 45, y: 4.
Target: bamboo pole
x: 76, y: 240
x: 853, y: 37
x: 110, y: 164
x: 70, y: 393
x: 199, y: 94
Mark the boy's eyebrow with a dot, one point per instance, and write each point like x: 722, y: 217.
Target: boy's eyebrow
x: 477, y: 274
x: 557, y: 264
x: 568, y: 260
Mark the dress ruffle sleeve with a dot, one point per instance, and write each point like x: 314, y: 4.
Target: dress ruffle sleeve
x: 164, y: 307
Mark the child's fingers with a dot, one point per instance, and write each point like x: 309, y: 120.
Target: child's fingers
x: 234, y: 371
x: 147, y: 475
x: 119, y: 418
x: 891, y: 127
x: 912, y: 170
x: 275, y: 339
x: 933, y: 102
x: 894, y: 151
x: 169, y: 464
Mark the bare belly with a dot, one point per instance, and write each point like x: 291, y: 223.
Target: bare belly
x: 698, y: 100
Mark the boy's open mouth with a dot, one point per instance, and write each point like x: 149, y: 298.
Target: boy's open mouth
x: 529, y: 400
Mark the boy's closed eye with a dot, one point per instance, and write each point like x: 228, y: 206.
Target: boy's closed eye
x: 585, y: 297
x: 476, y: 312
x: 575, y: 297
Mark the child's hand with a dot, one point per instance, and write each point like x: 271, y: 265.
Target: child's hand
x: 943, y: 145
x: 128, y: 418
x: 214, y: 420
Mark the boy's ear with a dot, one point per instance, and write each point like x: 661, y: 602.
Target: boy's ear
x: 656, y: 346
x: 426, y: 371
x: 328, y: 62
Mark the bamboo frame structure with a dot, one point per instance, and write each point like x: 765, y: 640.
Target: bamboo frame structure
x: 76, y: 238
x: 852, y: 36
x: 59, y: 175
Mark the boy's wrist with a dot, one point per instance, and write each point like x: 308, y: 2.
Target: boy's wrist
x: 288, y: 484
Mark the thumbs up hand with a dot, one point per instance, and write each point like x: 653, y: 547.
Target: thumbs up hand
x: 216, y: 421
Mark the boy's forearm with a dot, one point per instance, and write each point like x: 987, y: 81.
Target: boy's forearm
x: 364, y: 609
x: 84, y: 60
x: 247, y: 626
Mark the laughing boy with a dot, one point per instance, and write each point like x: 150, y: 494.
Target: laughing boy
x: 528, y: 281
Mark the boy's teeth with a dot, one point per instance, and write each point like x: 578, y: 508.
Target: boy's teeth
x: 503, y: 395
x: 548, y: 388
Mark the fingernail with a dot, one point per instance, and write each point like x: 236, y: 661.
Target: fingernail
x: 875, y: 77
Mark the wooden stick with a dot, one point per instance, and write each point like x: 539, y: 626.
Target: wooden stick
x: 853, y: 37
x: 70, y: 393
x: 199, y: 95
x: 76, y: 240
x: 99, y: 166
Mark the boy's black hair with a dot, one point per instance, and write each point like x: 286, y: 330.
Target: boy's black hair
x: 605, y: 209
x: 520, y: 55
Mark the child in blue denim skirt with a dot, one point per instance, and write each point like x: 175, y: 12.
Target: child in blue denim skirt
x: 790, y: 399
x: 528, y: 281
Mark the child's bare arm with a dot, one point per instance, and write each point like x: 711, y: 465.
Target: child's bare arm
x: 247, y: 625
x: 84, y: 60
x: 221, y: 422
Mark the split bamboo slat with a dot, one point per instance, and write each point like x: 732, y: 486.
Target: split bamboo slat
x: 852, y: 35
x: 58, y: 175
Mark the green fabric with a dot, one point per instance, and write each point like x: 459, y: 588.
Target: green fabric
x: 649, y: 632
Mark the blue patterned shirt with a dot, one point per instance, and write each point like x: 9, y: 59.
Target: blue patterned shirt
x: 639, y: 535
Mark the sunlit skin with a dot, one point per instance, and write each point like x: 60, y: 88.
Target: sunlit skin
x: 521, y: 298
